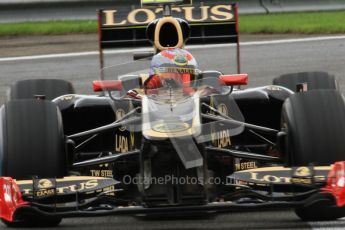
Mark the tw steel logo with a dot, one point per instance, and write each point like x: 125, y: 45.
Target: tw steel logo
x: 200, y: 14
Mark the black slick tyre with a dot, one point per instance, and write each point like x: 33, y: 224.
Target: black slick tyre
x: 314, y: 80
x: 31, y: 140
x: 314, y: 123
x: 32, y: 144
x: 50, y: 88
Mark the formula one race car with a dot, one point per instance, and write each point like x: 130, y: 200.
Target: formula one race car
x: 174, y: 140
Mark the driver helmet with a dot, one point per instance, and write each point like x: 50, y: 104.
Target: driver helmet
x: 172, y: 68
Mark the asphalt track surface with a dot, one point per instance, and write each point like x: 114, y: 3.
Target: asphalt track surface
x: 262, y: 62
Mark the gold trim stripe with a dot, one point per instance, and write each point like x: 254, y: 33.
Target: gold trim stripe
x: 272, y: 169
x: 65, y: 179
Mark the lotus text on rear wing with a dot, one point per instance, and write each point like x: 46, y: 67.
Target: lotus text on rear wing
x: 201, y: 14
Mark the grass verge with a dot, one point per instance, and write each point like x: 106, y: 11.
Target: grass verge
x: 297, y: 23
x: 48, y: 28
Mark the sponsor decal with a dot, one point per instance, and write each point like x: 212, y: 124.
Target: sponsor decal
x: 281, y: 175
x: 176, y: 70
x: 103, y: 170
x: 246, y: 165
x: 44, y: 187
x: 302, y: 172
x: 180, y: 60
x: 284, y: 179
x: 269, y: 178
x: 121, y: 143
x: 193, y: 14
x: 124, y: 140
x: 131, y: 134
x: 119, y: 114
x: 101, y: 173
x: 110, y: 188
x: 45, y: 183
x: 45, y: 192
x: 302, y: 175
x: 80, y: 187
x: 221, y: 139
x: 302, y: 180
x: 132, y: 137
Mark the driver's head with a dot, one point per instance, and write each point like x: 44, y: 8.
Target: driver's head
x: 172, y: 68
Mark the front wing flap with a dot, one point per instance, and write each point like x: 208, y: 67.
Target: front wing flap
x: 14, y: 204
x: 280, y: 177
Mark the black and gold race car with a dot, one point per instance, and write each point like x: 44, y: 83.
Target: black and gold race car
x: 145, y: 149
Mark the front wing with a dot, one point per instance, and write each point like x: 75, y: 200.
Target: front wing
x: 92, y: 196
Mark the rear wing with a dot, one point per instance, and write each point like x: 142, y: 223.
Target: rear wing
x: 211, y: 21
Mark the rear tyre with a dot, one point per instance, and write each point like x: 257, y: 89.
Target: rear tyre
x: 51, y: 88
x: 32, y: 141
x: 314, y: 123
x: 315, y: 80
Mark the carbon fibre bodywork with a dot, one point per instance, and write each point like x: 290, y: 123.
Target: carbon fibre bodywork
x: 259, y: 106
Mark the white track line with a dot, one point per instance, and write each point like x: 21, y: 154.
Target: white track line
x: 191, y: 47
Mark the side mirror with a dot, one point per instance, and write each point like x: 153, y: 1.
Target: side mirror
x: 107, y: 85
x: 118, y: 88
x: 234, y: 79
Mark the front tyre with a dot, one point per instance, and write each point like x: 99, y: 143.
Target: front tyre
x: 32, y: 141
x: 314, y: 123
x: 50, y: 88
x: 314, y: 80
